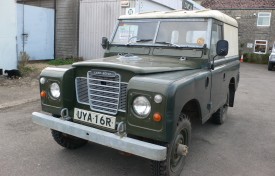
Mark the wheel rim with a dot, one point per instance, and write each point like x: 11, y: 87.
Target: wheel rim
x: 175, y: 159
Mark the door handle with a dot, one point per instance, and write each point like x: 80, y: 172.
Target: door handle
x: 224, y: 77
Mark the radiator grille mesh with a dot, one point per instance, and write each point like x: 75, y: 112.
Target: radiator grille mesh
x: 103, y: 94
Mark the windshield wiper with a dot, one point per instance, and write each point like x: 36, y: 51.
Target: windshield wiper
x: 144, y: 40
x: 182, y: 46
x: 140, y: 40
x: 137, y: 41
x: 169, y: 44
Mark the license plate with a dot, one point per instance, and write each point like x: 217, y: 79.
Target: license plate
x: 95, y: 118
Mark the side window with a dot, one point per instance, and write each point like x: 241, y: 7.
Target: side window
x: 215, y: 37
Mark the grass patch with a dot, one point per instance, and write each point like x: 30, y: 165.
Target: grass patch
x: 64, y: 61
x: 27, y: 70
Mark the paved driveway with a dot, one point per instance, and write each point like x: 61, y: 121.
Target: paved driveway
x: 243, y: 146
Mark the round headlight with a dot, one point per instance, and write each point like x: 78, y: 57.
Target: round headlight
x: 55, y: 90
x: 142, y: 106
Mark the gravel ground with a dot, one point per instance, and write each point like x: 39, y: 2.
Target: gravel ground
x: 29, y: 79
x: 23, y: 90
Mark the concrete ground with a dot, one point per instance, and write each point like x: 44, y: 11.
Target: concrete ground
x: 18, y: 91
x: 243, y: 146
x: 14, y: 95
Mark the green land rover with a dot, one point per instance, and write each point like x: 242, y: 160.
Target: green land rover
x: 160, y: 71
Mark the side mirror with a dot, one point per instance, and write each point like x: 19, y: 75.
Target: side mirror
x: 222, y: 48
x: 105, y: 43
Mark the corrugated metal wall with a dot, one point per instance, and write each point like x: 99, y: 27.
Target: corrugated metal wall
x: 97, y: 19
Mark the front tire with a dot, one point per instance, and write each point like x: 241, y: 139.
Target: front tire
x: 68, y: 141
x: 174, y: 162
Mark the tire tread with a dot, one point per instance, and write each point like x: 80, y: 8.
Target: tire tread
x: 69, y: 142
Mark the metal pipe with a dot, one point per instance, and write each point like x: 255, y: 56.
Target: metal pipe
x: 54, y: 43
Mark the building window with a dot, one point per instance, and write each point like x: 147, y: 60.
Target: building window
x: 186, y: 5
x: 263, y: 19
x: 260, y: 46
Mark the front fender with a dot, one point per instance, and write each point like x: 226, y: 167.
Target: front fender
x: 64, y: 76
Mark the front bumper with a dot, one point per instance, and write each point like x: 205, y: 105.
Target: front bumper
x: 126, y: 144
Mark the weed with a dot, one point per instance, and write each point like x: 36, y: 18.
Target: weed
x: 23, y: 67
x: 64, y: 61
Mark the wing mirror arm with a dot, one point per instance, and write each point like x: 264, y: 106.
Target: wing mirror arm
x: 213, y: 63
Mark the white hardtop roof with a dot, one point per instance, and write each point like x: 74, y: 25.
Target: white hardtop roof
x: 178, y: 14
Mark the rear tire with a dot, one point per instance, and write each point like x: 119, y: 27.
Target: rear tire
x: 174, y: 163
x: 270, y: 66
x: 220, y: 115
x: 68, y: 141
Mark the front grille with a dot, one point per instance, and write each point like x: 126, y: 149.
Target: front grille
x: 81, y: 90
x: 123, y: 98
x: 103, y: 94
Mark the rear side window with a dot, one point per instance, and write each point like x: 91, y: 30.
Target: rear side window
x: 216, y: 36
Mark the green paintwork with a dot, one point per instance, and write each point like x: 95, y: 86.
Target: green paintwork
x: 64, y: 76
x: 177, y: 88
x: 142, y: 65
x: 179, y: 75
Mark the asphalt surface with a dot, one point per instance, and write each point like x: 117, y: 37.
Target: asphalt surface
x: 243, y: 146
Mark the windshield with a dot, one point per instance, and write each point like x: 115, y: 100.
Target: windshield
x: 186, y: 33
x: 134, y: 32
x: 163, y: 33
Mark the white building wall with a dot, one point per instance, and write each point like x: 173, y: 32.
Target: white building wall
x: 8, y: 32
x: 157, y: 5
x: 176, y: 4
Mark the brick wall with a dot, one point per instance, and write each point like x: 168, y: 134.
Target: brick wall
x: 246, y: 13
x: 248, y: 29
x: 238, y: 4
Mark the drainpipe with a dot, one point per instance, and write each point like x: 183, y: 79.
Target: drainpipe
x: 77, y: 29
x: 54, y: 43
x: 23, y: 28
